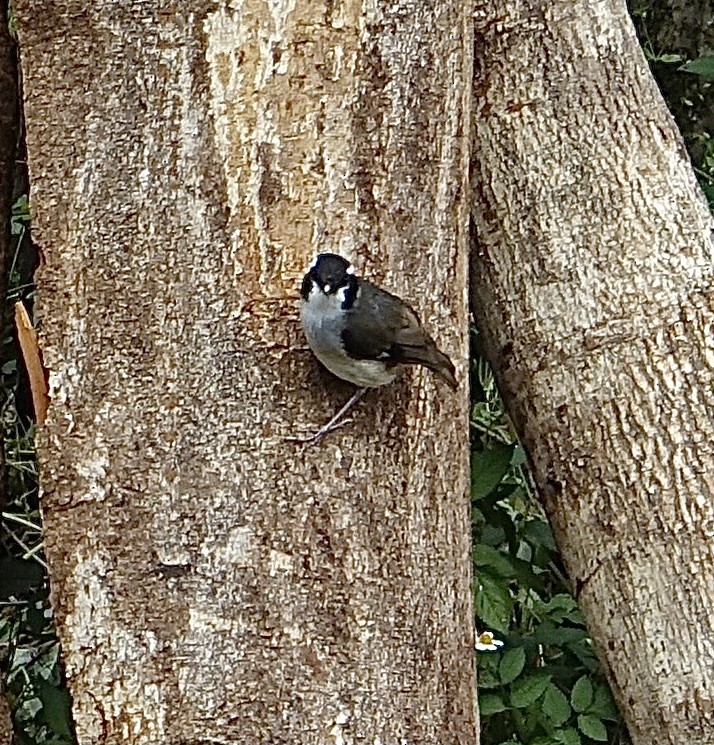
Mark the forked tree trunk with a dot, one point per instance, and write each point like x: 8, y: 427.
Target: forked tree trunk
x: 213, y: 582
x: 593, y: 283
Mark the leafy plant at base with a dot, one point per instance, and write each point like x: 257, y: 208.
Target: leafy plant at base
x: 545, y: 687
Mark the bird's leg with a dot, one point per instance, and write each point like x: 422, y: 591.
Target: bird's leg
x: 334, y: 423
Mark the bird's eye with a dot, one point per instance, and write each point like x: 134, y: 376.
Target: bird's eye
x: 327, y: 289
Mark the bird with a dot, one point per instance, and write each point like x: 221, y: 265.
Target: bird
x: 361, y: 333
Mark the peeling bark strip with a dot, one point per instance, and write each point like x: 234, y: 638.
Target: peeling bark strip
x: 213, y: 582
x: 594, y: 285
x: 32, y: 358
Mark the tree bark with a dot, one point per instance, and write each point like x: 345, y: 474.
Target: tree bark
x: 592, y: 281
x: 213, y: 582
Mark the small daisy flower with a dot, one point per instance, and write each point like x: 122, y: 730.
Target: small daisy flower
x: 485, y: 642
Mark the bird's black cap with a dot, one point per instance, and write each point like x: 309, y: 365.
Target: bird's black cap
x: 330, y: 271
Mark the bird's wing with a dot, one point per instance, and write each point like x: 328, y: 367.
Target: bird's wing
x: 386, y: 328
x: 373, y: 329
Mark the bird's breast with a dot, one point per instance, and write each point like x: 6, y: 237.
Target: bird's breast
x: 323, y: 323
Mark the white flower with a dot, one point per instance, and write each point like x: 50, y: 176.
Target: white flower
x: 485, y: 642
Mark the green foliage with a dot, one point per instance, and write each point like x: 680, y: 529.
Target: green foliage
x: 34, y: 685
x: 703, y: 66
x: 544, y: 687
x: 29, y: 650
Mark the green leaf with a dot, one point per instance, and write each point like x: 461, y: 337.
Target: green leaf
x: 496, y: 517
x: 582, y: 694
x: 490, y: 703
x: 35, y: 619
x: 526, y: 577
x: 493, y: 602
x: 556, y: 706
x: 487, y: 556
x: 669, y: 58
x: 603, y: 704
x: 551, y: 635
x: 708, y: 190
x: 493, y: 535
x: 583, y: 650
x: 528, y: 690
x: 563, y: 607
x: 488, y: 676
x: 512, y: 664
x: 488, y: 467
x: 703, y: 66
x: 592, y: 727
x: 18, y: 576
x: 519, y: 456
x: 46, y: 666
x: 538, y: 533
x: 568, y: 736
x: 56, y: 711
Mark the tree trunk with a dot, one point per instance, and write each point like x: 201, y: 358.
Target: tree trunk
x: 592, y: 281
x: 213, y: 582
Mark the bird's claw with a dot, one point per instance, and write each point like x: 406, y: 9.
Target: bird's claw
x: 317, y: 436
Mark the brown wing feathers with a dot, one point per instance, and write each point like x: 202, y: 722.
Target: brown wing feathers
x: 388, y: 329
x: 414, y: 346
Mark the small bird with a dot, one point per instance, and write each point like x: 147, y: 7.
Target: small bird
x: 362, y: 333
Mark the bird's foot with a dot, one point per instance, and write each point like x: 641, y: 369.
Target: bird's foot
x: 317, y: 436
x: 336, y: 422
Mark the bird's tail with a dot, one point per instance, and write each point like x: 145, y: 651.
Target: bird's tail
x: 432, y: 357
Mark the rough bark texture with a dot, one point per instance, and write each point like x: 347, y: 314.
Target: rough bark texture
x: 212, y: 582
x: 592, y: 280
